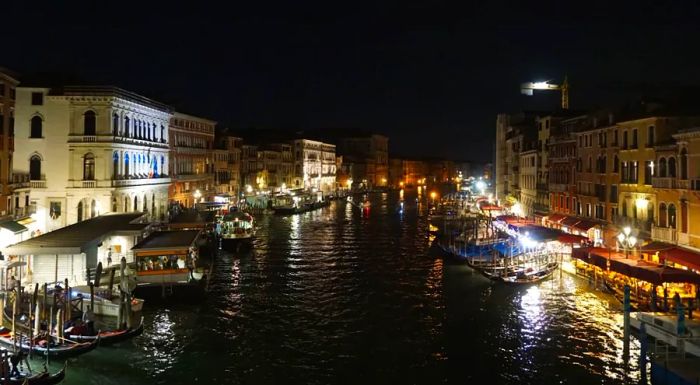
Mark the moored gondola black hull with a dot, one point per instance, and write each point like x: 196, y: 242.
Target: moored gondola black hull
x: 43, y: 378
x: 112, y: 336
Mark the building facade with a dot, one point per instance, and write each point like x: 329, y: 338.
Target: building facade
x: 8, y: 92
x: 191, y: 159
x: 83, y: 151
x: 369, y: 156
x: 314, y: 165
x: 227, y: 166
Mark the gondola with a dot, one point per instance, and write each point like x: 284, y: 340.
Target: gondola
x: 43, y: 378
x: 66, y: 349
x: 527, y: 278
x: 110, y: 336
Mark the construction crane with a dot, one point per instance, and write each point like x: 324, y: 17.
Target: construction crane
x: 528, y: 88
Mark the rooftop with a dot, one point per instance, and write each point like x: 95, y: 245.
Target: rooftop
x: 76, y: 238
x: 168, y: 240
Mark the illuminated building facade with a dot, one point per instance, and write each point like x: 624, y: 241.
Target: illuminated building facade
x: 314, y: 165
x: 83, y: 151
x: 191, y: 159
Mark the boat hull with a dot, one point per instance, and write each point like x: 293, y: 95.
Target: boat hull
x: 60, y: 351
x: 236, y: 244
x: 112, y: 336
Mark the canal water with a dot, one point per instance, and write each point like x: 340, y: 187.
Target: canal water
x: 338, y: 297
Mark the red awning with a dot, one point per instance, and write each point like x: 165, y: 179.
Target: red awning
x: 681, y: 256
x: 584, y: 225
x: 555, y: 217
x: 570, y: 221
x: 486, y: 208
x: 571, y: 238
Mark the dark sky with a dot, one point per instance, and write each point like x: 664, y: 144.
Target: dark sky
x: 430, y: 76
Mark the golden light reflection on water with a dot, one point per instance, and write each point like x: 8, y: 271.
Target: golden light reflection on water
x: 585, y: 324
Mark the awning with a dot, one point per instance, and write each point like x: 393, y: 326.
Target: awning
x: 570, y: 221
x: 555, y: 217
x: 673, y: 253
x: 13, y: 226
x: 585, y: 225
x: 26, y: 221
x: 571, y: 238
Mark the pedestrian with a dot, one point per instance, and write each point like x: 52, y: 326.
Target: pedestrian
x: 109, y: 257
x: 13, y: 284
x: 14, y: 361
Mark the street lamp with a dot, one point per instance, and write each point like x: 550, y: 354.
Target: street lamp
x: 197, y: 195
x: 627, y: 240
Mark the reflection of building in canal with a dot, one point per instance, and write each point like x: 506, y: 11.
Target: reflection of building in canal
x: 67, y: 253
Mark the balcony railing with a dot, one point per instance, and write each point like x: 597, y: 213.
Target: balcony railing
x: 695, y: 184
x: 89, y: 184
x: 37, y: 184
x: 138, y: 182
x: 666, y: 183
x: 664, y: 234
x: 116, y: 139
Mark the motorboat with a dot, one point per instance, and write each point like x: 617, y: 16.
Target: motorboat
x: 235, y: 228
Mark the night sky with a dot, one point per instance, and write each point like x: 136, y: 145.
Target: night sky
x: 430, y: 76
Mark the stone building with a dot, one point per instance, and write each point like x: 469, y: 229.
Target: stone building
x: 83, y: 151
x: 314, y: 165
x: 191, y: 159
x: 8, y: 92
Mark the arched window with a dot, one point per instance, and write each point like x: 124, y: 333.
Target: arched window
x: 684, y: 216
x: 115, y: 165
x: 126, y: 165
x: 650, y: 213
x: 162, y: 170
x: 603, y: 164
x: 145, y: 204
x: 672, y: 167
x: 35, y: 168
x: 162, y: 133
x: 115, y: 124
x: 125, y: 132
x: 80, y: 211
x: 684, y: 164
x: 590, y: 164
x: 126, y: 203
x: 616, y: 164
x: 93, y: 209
x: 662, y: 215
x: 634, y: 209
x: 136, y: 203
x: 153, y: 132
x: 672, y: 216
x: 36, y: 127
x: 89, y: 167
x: 89, y: 123
x: 650, y: 136
x: 153, y: 203
x: 114, y: 204
x: 624, y: 208
x: 662, y: 167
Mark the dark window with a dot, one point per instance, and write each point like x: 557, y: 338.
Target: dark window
x: 93, y: 209
x: 13, y: 94
x: 662, y: 168
x: 613, y: 193
x: 12, y: 126
x: 2, y: 89
x: 634, y: 138
x: 115, y: 124
x: 35, y: 168
x: 672, y: 216
x: 624, y: 140
x: 2, y: 124
x: 37, y: 99
x: 89, y: 123
x: 647, y: 172
x: 650, y: 136
x: 36, y: 127
x: 55, y: 210
x: 89, y: 167
x: 126, y: 127
x: 80, y: 211
x: 126, y: 165
x: 616, y: 164
x: 115, y: 166
x: 684, y: 163
x: 672, y: 167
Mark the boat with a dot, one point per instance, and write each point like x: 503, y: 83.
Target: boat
x: 106, y: 302
x: 166, y: 259
x: 108, y: 337
x: 235, y: 228
x: 530, y: 275
x: 41, y: 378
x: 664, y: 327
x: 67, y: 348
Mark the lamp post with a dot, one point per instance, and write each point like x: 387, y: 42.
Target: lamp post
x: 627, y: 240
x: 197, y: 195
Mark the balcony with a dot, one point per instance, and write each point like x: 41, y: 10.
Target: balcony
x: 139, y: 182
x: 664, y: 234
x: 665, y: 183
x: 77, y: 138
x: 695, y: 184
x: 37, y: 184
